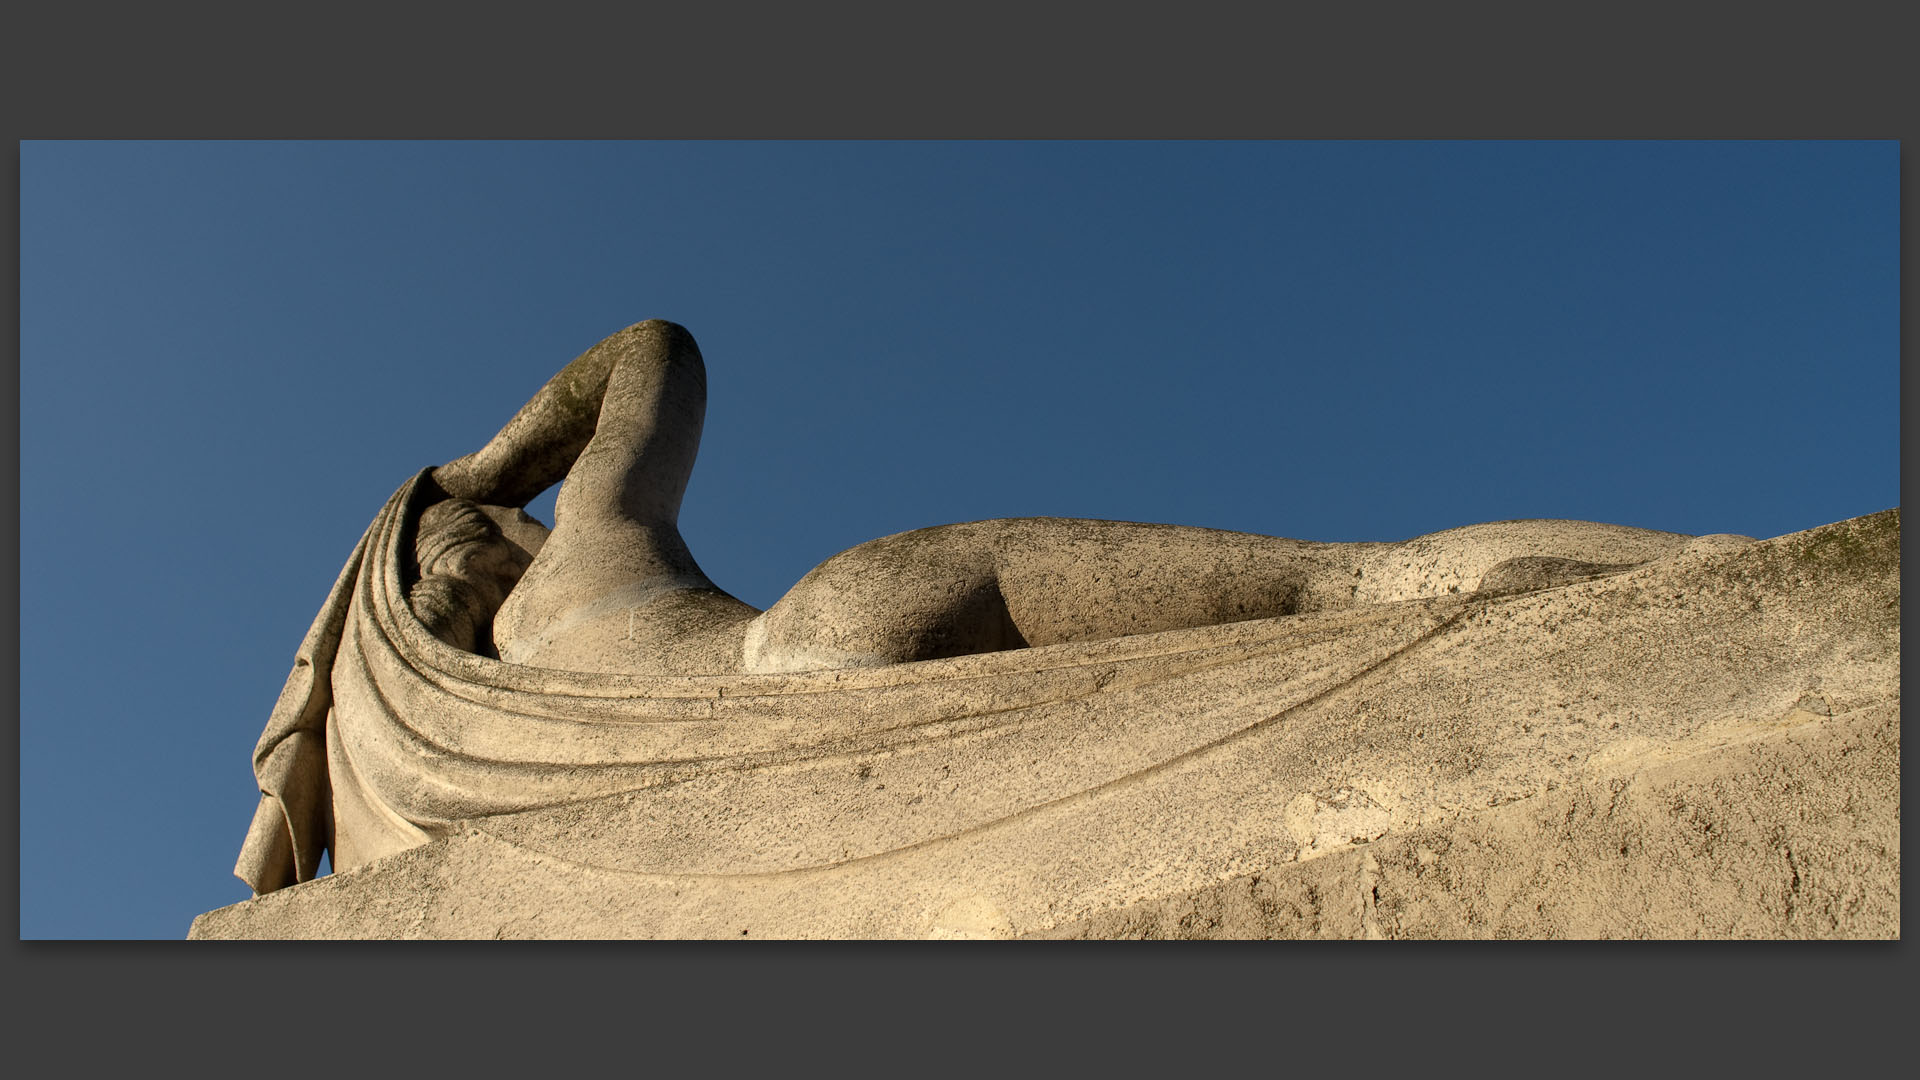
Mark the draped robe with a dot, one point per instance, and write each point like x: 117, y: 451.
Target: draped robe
x: 385, y: 737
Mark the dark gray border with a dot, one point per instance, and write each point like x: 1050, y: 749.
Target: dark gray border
x: 1350, y: 71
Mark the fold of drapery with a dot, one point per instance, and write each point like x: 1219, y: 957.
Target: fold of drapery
x: 293, y: 823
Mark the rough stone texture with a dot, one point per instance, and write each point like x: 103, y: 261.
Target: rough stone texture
x: 1788, y: 829
x: 1702, y: 745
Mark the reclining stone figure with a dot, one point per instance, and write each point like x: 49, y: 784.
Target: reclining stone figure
x: 614, y: 588
x: 471, y: 664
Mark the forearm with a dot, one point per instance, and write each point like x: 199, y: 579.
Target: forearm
x: 537, y: 447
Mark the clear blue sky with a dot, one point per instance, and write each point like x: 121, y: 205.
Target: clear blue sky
x: 232, y: 353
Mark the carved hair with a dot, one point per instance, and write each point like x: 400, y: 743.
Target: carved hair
x: 445, y: 528
x: 450, y: 606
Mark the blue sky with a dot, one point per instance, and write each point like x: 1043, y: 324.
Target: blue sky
x: 233, y: 352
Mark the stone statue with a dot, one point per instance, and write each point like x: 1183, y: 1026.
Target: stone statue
x: 614, y: 589
x: 473, y: 666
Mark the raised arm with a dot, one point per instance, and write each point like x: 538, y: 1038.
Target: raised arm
x: 540, y: 444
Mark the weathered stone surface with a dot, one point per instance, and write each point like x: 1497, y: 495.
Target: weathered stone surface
x: 1788, y: 829
x: 1705, y: 744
